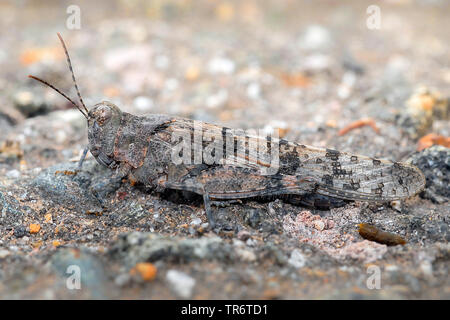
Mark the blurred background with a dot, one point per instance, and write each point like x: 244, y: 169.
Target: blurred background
x: 308, y: 68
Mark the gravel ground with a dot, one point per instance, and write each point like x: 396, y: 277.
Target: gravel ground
x: 309, y: 69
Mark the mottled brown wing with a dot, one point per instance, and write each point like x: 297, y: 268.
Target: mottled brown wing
x: 240, y: 172
x: 355, y: 177
x: 239, y: 148
x: 336, y: 174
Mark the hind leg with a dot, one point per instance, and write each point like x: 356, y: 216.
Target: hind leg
x: 316, y: 201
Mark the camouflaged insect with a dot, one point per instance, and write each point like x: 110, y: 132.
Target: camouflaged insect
x: 142, y: 148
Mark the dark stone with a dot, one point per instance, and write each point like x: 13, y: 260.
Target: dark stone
x: 253, y: 218
x: 435, y: 165
x: 20, y: 231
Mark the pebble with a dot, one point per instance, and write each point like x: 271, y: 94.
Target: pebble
x: 146, y: 270
x: 196, y: 221
x: 319, y: 225
x: 422, y: 108
x: 192, y: 73
x: 48, y: 218
x: 34, y: 228
x: 23, y: 98
x: 181, y: 283
x: 29, y: 104
x: 346, y: 86
x: 122, y: 279
x: 297, y: 259
x: 217, y: 99
x: 60, y: 136
x: 162, y: 62
x: 243, y: 235
x: 221, y: 65
x: 143, y: 103
x: 245, y: 255
x: 253, y: 90
x: 434, y: 163
x: 238, y: 243
x: 315, y: 37
x: 19, y: 231
x: 276, y: 126
x: 3, y: 253
x: 391, y: 268
x: 171, y: 84
x: 13, y: 174
x: 427, y: 268
x: 205, y: 225
x: 317, y: 62
x: 396, y: 205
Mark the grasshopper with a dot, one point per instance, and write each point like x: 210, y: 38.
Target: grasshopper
x: 144, y: 149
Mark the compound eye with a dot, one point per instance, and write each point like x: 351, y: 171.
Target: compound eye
x: 103, y: 114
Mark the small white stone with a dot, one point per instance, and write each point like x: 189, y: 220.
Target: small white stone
x: 24, y: 97
x: 297, y: 259
x: 396, y: 205
x: 238, y: 243
x: 162, y: 62
x: 427, y: 268
x: 346, y: 86
x: 246, y: 255
x: 60, y: 136
x: 181, y: 283
x: 13, y: 174
x: 315, y: 37
x: 36, y: 171
x: 3, y: 253
x: 133, y: 238
x: 221, y: 65
x: 317, y: 62
x: 391, y: 268
x: 122, y: 279
x: 28, y: 132
x: 171, y: 84
x: 253, y: 90
x: 218, y: 99
x: 205, y: 225
x: 196, y: 221
x: 274, y: 125
x: 143, y: 103
x: 319, y: 225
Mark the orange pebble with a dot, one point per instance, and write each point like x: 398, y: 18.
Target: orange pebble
x: 147, y: 270
x: 295, y: 80
x: 192, y: 73
x: 34, y: 228
x: 432, y: 139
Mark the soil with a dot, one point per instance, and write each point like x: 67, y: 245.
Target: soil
x: 308, y: 68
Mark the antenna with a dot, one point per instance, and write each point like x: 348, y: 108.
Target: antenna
x: 71, y: 70
x: 61, y: 93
